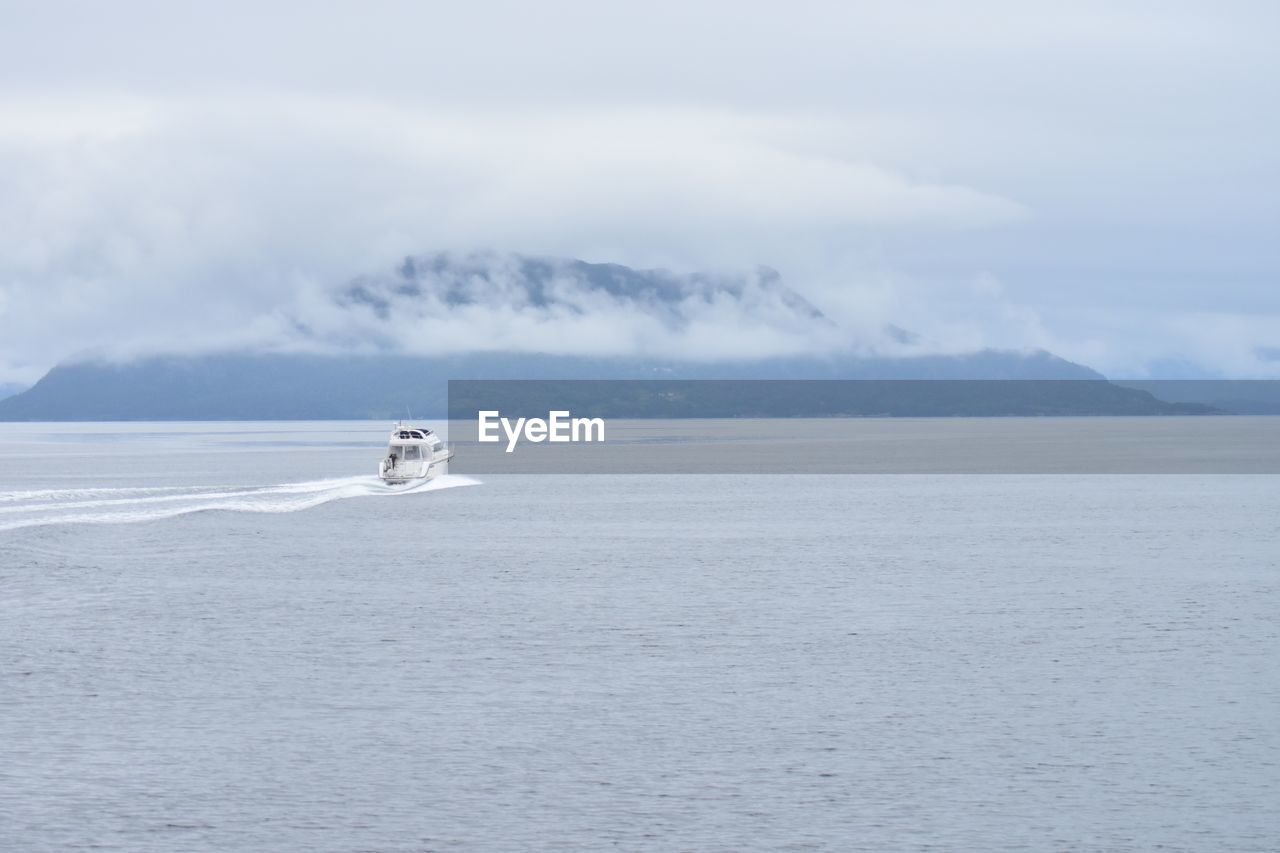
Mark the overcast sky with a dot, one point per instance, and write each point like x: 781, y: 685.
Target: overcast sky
x: 1096, y: 178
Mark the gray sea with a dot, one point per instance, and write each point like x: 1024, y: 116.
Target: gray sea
x: 231, y: 637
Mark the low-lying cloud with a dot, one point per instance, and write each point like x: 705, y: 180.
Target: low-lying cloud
x: 155, y: 226
x: 1096, y: 179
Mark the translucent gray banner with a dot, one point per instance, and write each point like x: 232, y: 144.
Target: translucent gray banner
x: 1007, y: 427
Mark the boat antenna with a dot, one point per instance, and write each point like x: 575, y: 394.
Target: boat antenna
x: 406, y: 408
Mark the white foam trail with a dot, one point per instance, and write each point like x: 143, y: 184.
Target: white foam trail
x: 65, y: 506
x: 54, y: 494
x: 37, y: 506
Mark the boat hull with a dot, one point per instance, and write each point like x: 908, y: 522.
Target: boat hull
x: 401, y: 474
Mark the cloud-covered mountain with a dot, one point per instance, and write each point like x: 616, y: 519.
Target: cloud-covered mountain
x: 158, y: 198
x: 500, y: 302
x: 551, y: 284
x: 387, y: 342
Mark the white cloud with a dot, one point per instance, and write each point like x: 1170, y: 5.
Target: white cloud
x: 182, y: 225
x: 172, y: 174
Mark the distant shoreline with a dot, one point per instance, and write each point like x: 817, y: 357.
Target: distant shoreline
x: 655, y: 418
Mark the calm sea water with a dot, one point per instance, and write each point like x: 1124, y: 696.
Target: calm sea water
x: 230, y: 637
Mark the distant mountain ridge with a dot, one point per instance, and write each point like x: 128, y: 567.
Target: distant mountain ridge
x: 386, y: 312
x: 306, y: 387
x: 491, y: 278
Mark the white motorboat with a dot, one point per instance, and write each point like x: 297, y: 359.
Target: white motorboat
x: 414, y: 454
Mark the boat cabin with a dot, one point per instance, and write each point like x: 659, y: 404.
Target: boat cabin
x: 411, y: 453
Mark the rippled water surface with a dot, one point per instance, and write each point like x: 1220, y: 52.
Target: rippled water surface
x: 231, y: 637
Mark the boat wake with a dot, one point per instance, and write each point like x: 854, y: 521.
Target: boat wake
x: 41, y: 507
